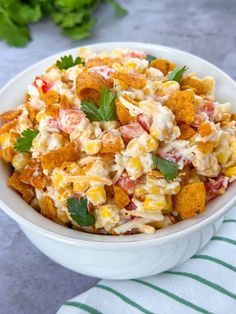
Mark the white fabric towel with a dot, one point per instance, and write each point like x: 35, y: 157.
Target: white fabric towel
x: 204, y: 284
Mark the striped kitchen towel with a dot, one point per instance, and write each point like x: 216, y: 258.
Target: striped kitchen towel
x: 204, y: 284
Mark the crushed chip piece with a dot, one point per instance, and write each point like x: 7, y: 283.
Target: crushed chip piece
x: 199, y: 86
x: 182, y: 104
x: 121, y: 197
x: 206, y: 148
x: 135, y: 80
x: 26, y: 190
x: 47, y: 207
x: 31, y: 112
x: 56, y: 157
x: 111, y: 143
x: 101, y: 61
x: 51, y: 97
x: 33, y: 175
x: 205, y: 129
x: 89, y: 86
x: 186, y: 132
x: 9, y: 126
x: 190, y: 200
x: 10, y: 115
x: 123, y: 113
x: 163, y: 65
x: 7, y: 154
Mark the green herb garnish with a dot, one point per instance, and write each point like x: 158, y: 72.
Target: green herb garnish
x: 74, y: 17
x: 150, y: 58
x: 106, y: 110
x: 67, y: 62
x: 78, y: 209
x: 177, y: 74
x: 168, y: 168
x: 24, y: 143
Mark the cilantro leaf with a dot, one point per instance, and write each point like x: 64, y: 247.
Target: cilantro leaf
x: 106, y: 110
x: 78, y: 210
x: 150, y: 58
x: 168, y: 168
x: 92, y: 111
x: 176, y: 74
x: 24, y: 143
x: 107, y: 105
x: 117, y: 7
x: 67, y: 62
x: 80, y: 31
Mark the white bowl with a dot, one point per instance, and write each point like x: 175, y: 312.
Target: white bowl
x: 117, y: 257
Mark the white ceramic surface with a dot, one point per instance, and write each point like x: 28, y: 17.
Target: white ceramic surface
x: 120, y: 257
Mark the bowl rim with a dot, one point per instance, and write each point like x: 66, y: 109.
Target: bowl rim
x: 103, y: 241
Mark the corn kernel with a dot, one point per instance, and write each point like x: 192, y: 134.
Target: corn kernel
x: 154, y: 133
x: 92, y: 147
x: 230, y: 172
x: 20, y: 160
x: 5, y: 140
x: 152, y: 202
x: 105, y: 212
x: 134, y: 148
x: 154, y: 190
x: 96, y: 195
x: 58, y: 177
x: 151, y: 144
x: 40, y: 115
x: 79, y: 187
x: 140, y: 191
x: 134, y: 168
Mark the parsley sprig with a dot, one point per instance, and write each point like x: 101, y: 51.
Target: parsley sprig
x: 78, y: 210
x: 168, y: 168
x: 67, y: 62
x: 106, y: 110
x: 177, y: 74
x: 150, y: 58
x: 74, y: 17
x: 24, y: 143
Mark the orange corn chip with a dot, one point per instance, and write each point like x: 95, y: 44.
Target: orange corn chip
x: 89, y: 86
x: 106, y: 157
x: 121, y: 198
x: 205, y: 129
x: 182, y: 103
x: 7, y: 154
x: 47, y: 207
x: 101, y: 61
x: 111, y: 143
x: 56, y: 157
x: 33, y: 175
x: 25, y: 190
x: 31, y: 112
x: 200, y: 87
x: 51, y: 97
x: 52, y: 110
x: 135, y: 80
x: 190, y: 200
x: 206, y: 148
x: 123, y: 113
x: 186, y: 132
x: 163, y: 65
x: 233, y: 117
x: 64, y: 102
x: 10, y: 115
x: 9, y: 126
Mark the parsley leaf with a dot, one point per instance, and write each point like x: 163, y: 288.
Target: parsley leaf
x: 67, y: 62
x: 91, y: 110
x: 117, y: 7
x: 24, y: 143
x: 107, y: 105
x: 168, y: 168
x: 78, y: 210
x: 106, y: 110
x: 176, y: 74
x: 150, y: 58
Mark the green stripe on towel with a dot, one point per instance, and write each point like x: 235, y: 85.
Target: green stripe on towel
x: 204, y: 281
x: 124, y: 298
x: 215, y: 260
x: 83, y: 306
x: 229, y: 220
x: 173, y: 296
x: 224, y: 240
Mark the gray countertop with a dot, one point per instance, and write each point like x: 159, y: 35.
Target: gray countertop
x: 30, y: 283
